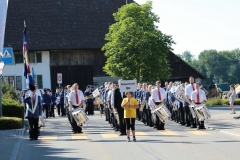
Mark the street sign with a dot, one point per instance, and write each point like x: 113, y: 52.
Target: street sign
x: 59, y: 78
x: 128, y: 85
x: 7, y: 56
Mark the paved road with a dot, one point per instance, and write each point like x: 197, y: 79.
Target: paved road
x: 100, y: 142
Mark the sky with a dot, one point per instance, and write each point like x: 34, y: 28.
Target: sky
x: 198, y: 25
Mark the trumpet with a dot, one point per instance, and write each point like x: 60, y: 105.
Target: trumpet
x: 89, y: 97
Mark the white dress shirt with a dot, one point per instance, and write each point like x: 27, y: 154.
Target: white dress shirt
x: 150, y: 103
x: 155, y: 95
x: 189, y: 90
x: 72, y: 97
x: 202, y: 96
x: 110, y: 97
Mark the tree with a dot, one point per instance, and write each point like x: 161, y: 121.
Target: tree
x: 216, y: 63
x: 135, y: 48
x: 187, y: 57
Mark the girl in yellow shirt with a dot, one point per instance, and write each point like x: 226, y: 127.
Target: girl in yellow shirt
x: 130, y: 105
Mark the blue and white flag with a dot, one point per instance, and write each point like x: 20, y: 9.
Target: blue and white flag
x: 3, y: 16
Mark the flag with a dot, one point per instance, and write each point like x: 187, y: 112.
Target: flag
x: 26, y: 68
x: 30, y: 82
x: 3, y: 16
x: 25, y: 49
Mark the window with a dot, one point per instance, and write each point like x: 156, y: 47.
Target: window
x: 35, y: 57
x: 18, y: 57
x: 39, y: 57
x: 38, y: 81
x: 31, y: 57
x: 9, y: 80
x: 19, y: 82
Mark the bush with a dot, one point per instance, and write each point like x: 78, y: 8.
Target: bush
x: 12, y: 108
x: 219, y: 101
x: 9, y: 92
x: 10, y: 123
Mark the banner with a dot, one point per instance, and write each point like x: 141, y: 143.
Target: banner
x: 3, y: 16
x: 128, y: 85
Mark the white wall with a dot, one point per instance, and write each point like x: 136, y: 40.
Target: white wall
x: 39, y: 69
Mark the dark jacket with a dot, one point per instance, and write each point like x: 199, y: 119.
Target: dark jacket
x: 46, y: 99
x: 38, y: 111
x: 117, y: 99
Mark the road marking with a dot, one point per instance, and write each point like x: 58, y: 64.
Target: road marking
x: 49, y: 138
x: 168, y: 133
x: 79, y: 136
x: 141, y: 134
x: 109, y: 135
x: 198, y: 132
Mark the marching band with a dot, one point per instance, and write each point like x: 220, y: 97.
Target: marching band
x: 180, y: 102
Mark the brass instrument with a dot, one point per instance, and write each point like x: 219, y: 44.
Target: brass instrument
x: 89, y: 97
x: 142, y: 105
x: 180, y: 94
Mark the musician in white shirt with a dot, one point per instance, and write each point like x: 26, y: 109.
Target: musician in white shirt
x: 190, y: 121
x: 75, y: 100
x: 158, y: 96
x: 198, y: 97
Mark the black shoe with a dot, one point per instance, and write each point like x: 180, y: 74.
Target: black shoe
x: 80, y: 132
x: 193, y: 126
x: 35, y: 138
x: 187, y: 125
x: 30, y: 139
x: 122, y: 134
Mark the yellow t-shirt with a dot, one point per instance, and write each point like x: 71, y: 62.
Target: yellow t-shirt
x: 130, y: 112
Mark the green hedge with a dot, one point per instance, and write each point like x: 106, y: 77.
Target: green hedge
x: 10, y: 123
x: 219, y: 101
x: 12, y: 108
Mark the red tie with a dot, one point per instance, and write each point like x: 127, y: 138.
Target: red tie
x: 159, y: 95
x: 32, y: 98
x: 198, y: 97
x: 76, y: 97
x: 193, y: 87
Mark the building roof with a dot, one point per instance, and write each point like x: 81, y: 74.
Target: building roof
x: 181, y: 70
x: 60, y: 24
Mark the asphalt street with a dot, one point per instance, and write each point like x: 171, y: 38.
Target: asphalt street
x: 100, y: 142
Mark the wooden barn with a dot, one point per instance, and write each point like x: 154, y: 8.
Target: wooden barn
x: 66, y: 36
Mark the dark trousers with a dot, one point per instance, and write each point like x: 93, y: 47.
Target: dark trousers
x: 187, y: 115
x: 33, y: 127
x: 46, y: 110
x: 101, y: 108
x: 181, y: 114
x: 106, y: 113
x: 90, y: 108
x: 160, y: 125
x: 51, y: 112
x: 75, y: 127
x: 130, y: 124
x: 145, y: 116
x: 122, y: 124
x: 149, y: 120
